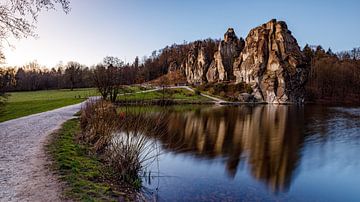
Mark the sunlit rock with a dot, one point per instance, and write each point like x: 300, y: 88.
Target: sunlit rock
x: 273, y: 64
x: 221, y: 68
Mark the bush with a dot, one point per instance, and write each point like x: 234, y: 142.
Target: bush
x: 222, y: 94
x: 169, y: 92
x: 248, y: 89
x: 212, y: 90
x: 220, y: 87
x: 197, y: 92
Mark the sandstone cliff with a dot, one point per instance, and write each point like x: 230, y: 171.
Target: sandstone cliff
x: 196, y: 64
x: 221, y: 68
x: 273, y: 64
x: 270, y: 60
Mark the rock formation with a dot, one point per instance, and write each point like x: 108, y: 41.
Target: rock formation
x: 173, y: 66
x: 196, y: 64
x: 270, y: 60
x: 273, y: 64
x: 221, y: 68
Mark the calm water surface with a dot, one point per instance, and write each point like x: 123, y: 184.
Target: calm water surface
x: 260, y: 153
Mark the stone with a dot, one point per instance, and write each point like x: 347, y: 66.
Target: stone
x: 196, y: 64
x: 221, y: 68
x: 269, y: 60
x: 173, y: 66
x: 273, y: 64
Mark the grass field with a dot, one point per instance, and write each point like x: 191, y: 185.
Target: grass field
x: 175, y: 94
x: 25, y: 103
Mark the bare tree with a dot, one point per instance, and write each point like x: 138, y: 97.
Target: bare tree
x: 73, y: 73
x: 7, y: 78
x: 107, y: 79
x: 18, y: 17
x: 114, y: 61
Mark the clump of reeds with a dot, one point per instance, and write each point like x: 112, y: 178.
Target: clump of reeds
x: 127, y: 155
x: 98, y: 121
x: 131, y: 149
x: 122, y: 138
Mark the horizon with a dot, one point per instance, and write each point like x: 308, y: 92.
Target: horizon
x: 93, y: 30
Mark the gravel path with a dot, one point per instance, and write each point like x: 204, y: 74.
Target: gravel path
x: 23, y: 165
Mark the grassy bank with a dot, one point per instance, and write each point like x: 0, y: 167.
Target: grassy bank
x: 227, y: 91
x: 169, y: 94
x: 26, y: 103
x: 83, y: 173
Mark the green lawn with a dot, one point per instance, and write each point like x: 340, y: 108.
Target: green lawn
x: 176, y: 94
x: 133, y: 89
x: 25, y: 103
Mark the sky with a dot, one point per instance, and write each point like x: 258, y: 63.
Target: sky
x: 129, y: 28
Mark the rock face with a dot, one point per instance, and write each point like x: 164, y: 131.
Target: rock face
x: 173, y: 66
x: 221, y: 68
x: 269, y: 60
x: 196, y: 64
x: 273, y: 64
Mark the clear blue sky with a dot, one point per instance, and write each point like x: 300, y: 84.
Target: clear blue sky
x: 128, y: 28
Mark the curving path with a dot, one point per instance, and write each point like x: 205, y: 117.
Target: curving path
x: 216, y: 100
x: 158, y: 88
x: 23, y: 167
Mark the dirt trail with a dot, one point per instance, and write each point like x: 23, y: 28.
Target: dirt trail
x: 23, y: 165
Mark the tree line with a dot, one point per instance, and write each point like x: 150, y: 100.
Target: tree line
x: 32, y: 76
x: 334, y: 77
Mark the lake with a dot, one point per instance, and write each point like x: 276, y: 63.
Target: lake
x: 258, y: 153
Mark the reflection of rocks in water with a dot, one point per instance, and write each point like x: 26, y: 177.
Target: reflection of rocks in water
x: 269, y: 137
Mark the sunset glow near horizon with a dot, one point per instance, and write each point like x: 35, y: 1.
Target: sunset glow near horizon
x: 94, y: 29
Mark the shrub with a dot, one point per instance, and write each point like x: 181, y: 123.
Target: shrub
x: 212, y: 90
x: 236, y: 94
x: 222, y: 94
x: 248, y: 89
x: 197, y: 92
x: 170, y: 92
x: 220, y: 87
x: 240, y: 87
x: 142, y: 88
